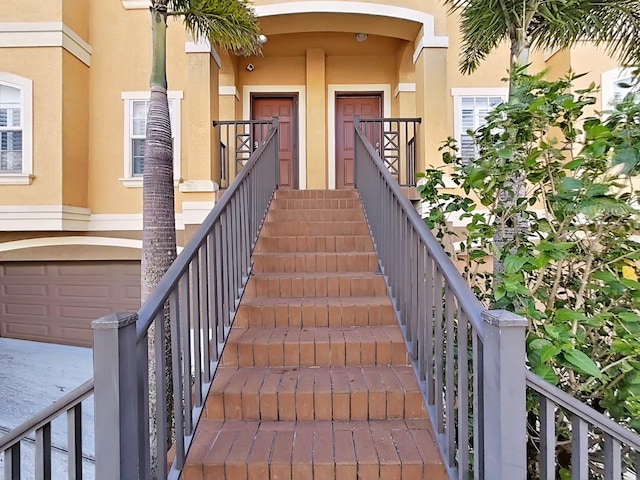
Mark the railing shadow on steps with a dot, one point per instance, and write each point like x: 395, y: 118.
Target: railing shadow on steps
x: 202, y: 287
x: 471, y: 362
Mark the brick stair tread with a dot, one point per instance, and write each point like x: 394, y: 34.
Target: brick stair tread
x: 363, y: 449
x: 267, y: 262
x: 321, y: 393
x: 315, y: 284
x: 315, y: 243
x: 316, y: 194
x: 315, y: 311
x: 323, y: 346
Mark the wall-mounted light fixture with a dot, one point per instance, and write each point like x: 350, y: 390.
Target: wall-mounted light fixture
x: 361, y: 37
x: 262, y: 38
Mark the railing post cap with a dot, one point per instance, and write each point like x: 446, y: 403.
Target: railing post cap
x: 504, y: 318
x: 114, y: 321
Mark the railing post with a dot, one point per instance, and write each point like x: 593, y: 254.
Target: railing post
x: 275, y: 122
x: 356, y: 127
x: 504, y: 396
x: 116, y: 414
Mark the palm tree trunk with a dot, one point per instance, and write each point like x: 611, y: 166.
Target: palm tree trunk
x: 159, y: 232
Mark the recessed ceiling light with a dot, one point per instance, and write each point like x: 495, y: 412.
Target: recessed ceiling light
x: 361, y: 37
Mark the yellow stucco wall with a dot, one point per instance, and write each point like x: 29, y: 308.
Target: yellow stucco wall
x: 75, y: 131
x: 47, y: 123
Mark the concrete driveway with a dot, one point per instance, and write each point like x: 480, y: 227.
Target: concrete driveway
x: 34, y: 375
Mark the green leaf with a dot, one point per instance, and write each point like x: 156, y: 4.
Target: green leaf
x: 546, y: 373
x: 582, y: 362
x: 548, y: 352
x: 539, y: 344
x: 513, y: 263
x: 629, y: 317
x: 566, y: 315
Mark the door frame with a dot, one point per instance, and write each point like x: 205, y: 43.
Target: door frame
x: 296, y: 121
x: 300, y: 102
x: 335, y: 90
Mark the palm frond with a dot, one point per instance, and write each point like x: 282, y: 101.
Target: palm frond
x: 483, y: 25
x: 230, y: 24
x: 615, y: 24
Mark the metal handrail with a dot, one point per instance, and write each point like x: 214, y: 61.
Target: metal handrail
x: 469, y: 361
x: 47, y: 415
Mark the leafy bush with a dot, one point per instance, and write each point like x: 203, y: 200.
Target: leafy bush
x: 552, y: 198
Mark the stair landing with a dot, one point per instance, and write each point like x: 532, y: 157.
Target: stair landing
x: 315, y: 381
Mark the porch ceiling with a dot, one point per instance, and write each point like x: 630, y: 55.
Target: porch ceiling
x: 340, y: 22
x: 339, y: 44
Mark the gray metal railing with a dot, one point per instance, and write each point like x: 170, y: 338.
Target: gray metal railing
x: 564, y: 433
x: 238, y: 139
x: 38, y: 429
x: 202, y: 289
x: 395, y: 141
x: 470, y: 362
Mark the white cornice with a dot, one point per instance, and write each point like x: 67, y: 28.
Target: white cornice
x: 45, y: 34
x: 43, y: 217
x: 203, y: 46
x: 136, y: 4
x: 228, y: 90
x: 429, y: 42
x: 404, y: 87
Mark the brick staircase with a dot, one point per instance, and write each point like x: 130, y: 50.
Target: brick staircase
x: 315, y: 381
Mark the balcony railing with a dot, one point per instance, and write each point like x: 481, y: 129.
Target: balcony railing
x: 471, y: 362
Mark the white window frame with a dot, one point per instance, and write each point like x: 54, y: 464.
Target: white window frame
x: 459, y: 93
x: 174, y: 97
x: 609, y: 79
x: 25, y: 86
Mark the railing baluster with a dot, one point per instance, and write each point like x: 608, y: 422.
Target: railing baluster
x: 579, y: 449
x: 478, y: 406
x: 439, y: 353
x: 74, y: 442
x: 195, y: 305
x: 184, y: 358
x: 450, y: 376
x: 463, y: 396
x: 205, y: 308
x: 144, y: 447
x: 43, y: 452
x: 12, y: 462
x: 547, y: 439
x: 612, y: 458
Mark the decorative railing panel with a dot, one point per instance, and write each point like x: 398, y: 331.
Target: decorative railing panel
x: 394, y: 139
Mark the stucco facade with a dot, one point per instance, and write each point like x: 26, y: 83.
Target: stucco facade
x: 82, y: 67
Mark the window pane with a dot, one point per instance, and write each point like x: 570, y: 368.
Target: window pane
x: 473, y: 115
x: 138, y: 156
x: 11, y: 152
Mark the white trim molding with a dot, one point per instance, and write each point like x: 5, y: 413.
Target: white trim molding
x: 193, y: 186
x: 333, y: 90
x: 404, y: 87
x: 43, y: 217
x: 175, y: 97
x: 108, y: 222
x: 194, y: 213
x: 229, y: 90
x: 203, y: 46
x: 136, y: 4
x: 45, y: 34
x: 25, y: 85
x: 73, y: 240
x: 302, y: 119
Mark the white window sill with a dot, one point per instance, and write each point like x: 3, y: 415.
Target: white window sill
x: 136, y: 182
x: 136, y: 4
x: 15, y: 179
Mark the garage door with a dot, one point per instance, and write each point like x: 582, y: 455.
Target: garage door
x: 56, y: 301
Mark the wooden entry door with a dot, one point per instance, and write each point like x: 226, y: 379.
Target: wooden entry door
x: 283, y: 107
x: 348, y: 106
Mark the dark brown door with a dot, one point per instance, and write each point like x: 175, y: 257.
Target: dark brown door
x: 366, y: 106
x: 265, y: 108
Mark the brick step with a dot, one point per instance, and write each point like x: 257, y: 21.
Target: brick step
x: 315, y: 243
x: 315, y: 312
x: 281, y: 229
x: 315, y: 346
x: 308, y: 393
x: 317, y: 215
x: 299, y: 285
x: 315, y: 262
x: 293, y: 194
x: 279, y: 203
x: 320, y: 450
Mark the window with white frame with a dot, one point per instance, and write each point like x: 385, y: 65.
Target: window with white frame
x: 136, y: 106
x: 471, y: 107
x: 616, y: 85
x: 15, y: 130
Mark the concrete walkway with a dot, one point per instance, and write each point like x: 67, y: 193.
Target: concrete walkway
x: 34, y: 375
